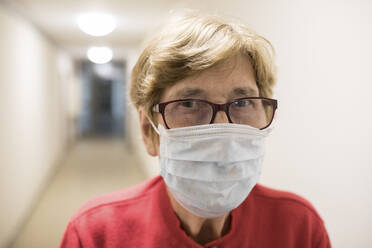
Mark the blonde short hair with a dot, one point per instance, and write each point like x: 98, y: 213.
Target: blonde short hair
x: 194, y: 42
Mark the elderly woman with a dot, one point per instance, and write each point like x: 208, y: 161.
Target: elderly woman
x: 203, y: 89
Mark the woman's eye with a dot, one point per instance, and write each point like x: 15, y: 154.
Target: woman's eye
x: 188, y: 104
x: 242, y: 103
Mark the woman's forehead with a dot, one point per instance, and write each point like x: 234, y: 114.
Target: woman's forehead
x: 225, y: 80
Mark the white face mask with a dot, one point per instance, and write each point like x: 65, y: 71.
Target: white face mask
x: 211, y: 169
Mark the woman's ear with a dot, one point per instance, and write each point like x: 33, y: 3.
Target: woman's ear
x: 152, y: 146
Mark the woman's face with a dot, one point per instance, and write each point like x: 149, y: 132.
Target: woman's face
x: 221, y: 84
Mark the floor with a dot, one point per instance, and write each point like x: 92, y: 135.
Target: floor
x: 92, y: 167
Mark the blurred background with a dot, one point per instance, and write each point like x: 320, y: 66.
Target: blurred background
x: 67, y: 132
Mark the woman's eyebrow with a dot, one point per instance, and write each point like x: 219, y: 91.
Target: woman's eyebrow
x: 243, y: 92
x: 190, y: 93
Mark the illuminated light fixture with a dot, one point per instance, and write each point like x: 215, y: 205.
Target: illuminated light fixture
x: 100, y: 55
x: 96, y: 24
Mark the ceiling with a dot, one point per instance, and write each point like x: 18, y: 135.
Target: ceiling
x: 135, y: 19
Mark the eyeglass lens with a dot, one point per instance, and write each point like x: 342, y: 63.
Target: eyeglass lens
x: 254, y: 112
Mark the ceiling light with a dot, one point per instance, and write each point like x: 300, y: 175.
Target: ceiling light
x: 100, y: 55
x: 96, y: 24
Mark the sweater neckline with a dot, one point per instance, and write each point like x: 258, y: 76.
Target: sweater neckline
x: 174, y: 224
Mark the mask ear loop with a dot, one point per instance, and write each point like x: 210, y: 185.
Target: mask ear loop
x: 153, y: 126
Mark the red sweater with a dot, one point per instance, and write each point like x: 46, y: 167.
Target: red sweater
x: 142, y: 216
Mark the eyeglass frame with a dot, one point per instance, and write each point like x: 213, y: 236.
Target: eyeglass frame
x: 160, y: 108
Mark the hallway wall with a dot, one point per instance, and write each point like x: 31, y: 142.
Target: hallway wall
x: 33, y: 116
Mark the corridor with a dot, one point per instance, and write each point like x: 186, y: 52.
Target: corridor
x: 92, y: 167
x: 69, y: 131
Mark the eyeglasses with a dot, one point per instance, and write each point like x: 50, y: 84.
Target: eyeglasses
x: 257, y: 112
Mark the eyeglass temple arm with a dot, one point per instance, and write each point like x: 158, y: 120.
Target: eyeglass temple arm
x: 155, y: 108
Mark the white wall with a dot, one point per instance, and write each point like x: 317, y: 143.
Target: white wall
x: 33, y: 123
x: 321, y: 148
